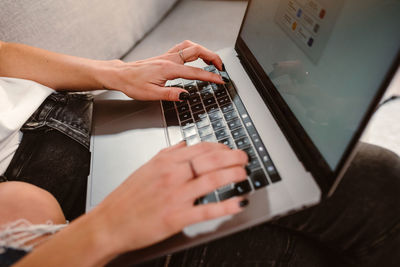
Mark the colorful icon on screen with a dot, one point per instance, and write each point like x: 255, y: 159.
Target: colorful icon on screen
x: 322, y: 13
x: 310, y: 42
x: 299, y: 12
x: 294, y: 25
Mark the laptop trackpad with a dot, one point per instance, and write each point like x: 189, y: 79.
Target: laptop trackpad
x: 126, y: 134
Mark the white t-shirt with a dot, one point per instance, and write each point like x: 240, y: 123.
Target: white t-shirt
x: 18, y: 100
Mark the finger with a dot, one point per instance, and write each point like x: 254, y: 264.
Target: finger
x: 205, y: 184
x: 193, y: 73
x: 188, y: 153
x: 218, y: 159
x: 175, y: 147
x: 181, y: 46
x: 192, y: 53
x: 172, y: 94
x: 211, y: 211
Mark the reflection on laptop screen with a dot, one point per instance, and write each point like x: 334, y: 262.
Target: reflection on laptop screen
x: 326, y: 58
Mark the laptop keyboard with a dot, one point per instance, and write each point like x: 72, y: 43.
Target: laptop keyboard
x: 215, y: 113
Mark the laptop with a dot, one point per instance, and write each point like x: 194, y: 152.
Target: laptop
x: 302, y: 82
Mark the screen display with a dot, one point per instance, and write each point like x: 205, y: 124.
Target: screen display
x: 327, y: 59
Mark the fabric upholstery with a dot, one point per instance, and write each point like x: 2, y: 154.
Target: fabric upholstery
x: 214, y: 24
x: 99, y: 29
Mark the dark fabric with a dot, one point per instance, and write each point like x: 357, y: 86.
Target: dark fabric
x: 358, y: 226
x: 54, y: 151
x: 10, y: 256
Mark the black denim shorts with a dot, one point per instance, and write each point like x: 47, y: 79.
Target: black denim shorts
x: 54, y: 150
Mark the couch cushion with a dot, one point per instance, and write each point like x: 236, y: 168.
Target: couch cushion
x: 214, y: 24
x: 100, y: 29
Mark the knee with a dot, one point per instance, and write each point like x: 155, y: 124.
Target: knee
x: 20, y: 200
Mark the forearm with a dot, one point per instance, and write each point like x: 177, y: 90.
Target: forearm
x: 58, y: 71
x: 83, y: 243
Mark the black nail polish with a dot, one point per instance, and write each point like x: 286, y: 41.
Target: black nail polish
x: 248, y: 172
x: 243, y: 203
x: 183, y: 96
x: 223, y: 67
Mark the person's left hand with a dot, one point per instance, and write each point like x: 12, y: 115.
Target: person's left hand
x: 145, y: 79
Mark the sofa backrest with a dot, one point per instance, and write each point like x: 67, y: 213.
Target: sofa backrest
x: 98, y: 29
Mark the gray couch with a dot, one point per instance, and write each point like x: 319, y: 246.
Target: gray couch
x: 127, y: 29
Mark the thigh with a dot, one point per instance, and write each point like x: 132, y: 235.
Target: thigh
x: 261, y: 246
x: 362, y: 218
x: 54, y: 151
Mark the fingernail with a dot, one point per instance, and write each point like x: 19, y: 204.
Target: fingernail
x: 248, y: 172
x: 223, y: 66
x: 243, y: 203
x: 183, y: 96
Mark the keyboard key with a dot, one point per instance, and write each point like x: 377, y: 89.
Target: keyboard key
x: 197, y: 108
x: 224, y: 76
x: 249, y: 151
x: 167, y: 105
x: 209, y: 101
x: 206, y: 93
x: 210, y: 68
x: 191, y: 141
x: 191, y: 88
x: 179, y: 85
x: 226, y: 188
x: 227, y: 142
x: 171, y: 118
x: 209, y: 138
x: 227, y: 108
x: 220, y: 93
x: 183, y: 108
x: 212, y: 108
x: 253, y: 162
x: 272, y: 173
x: 223, y: 133
x: 194, y: 99
x: 242, y: 142
x: 187, y: 82
x: 240, y: 132
x: 242, y: 188
x: 201, y: 85
x: 233, y: 124
x: 203, y: 123
x: 187, y: 123
x: 216, y: 115
x: 216, y: 87
x: 230, y: 115
x: 205, y: 131
x: 199, y: 116
x: 227, y: 194
x: 185, y: 116
x: 218, y: 124
x: 189, y: 131
x: 258, y: 179
x: 223, y: 100
x: 210, y: 198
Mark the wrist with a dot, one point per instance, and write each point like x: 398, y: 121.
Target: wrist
x: 106, y: 73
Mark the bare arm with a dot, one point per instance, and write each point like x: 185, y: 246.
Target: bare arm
x: 142, y: 80
x: 54, y: 70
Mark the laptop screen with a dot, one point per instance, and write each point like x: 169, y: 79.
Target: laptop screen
x: 327, y: 59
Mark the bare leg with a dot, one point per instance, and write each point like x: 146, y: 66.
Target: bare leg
x: 20, y: 200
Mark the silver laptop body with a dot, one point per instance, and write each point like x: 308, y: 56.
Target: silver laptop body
x: 271, y: 68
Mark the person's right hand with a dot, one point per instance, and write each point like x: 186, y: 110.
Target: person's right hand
x: 157, y: 200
